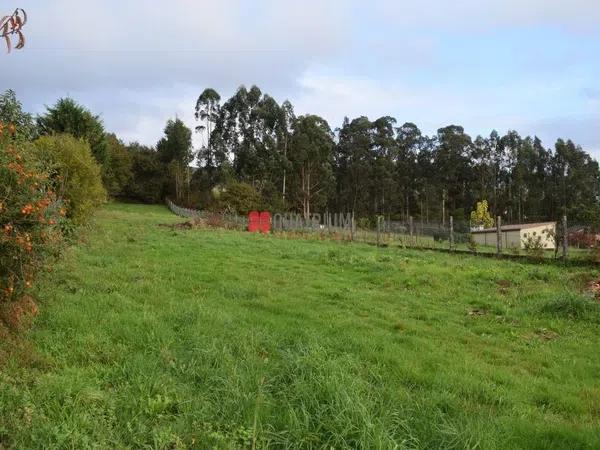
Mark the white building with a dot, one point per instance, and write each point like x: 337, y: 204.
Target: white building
x: 514, y: 236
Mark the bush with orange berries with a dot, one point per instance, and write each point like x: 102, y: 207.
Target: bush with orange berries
x: 30, y: 216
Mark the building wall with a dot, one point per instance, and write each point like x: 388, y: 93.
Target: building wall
x: 515, y: 238
x: 547, y: 240
x: 509, y: 239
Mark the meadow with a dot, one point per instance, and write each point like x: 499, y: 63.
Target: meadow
x: 150, y: 336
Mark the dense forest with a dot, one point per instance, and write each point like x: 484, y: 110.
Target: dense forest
x: 257, y: 153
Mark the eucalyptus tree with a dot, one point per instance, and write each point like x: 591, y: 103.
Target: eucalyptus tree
x: 207, y: 113
x: 311, y: 157
x: 409, y: 142
x: 576, y: 180
x: 452, y: 157
x: 287, y: 119
x: 384, y: 151
x: 354, y: 164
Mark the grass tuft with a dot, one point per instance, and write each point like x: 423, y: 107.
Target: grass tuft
x: 573, y: 306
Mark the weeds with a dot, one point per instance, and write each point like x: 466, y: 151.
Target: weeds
x: 572, y: 306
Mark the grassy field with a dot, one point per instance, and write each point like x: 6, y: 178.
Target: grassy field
x: 152, y: 337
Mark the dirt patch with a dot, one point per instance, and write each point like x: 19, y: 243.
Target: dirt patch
x: 594, y: 288
x: 477, y: 312
x: 546, y: 335
x: 504, y: 283
x: 503, y: 286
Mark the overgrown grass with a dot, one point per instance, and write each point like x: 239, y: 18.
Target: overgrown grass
x: 156, y: 338
x: 573, y: 306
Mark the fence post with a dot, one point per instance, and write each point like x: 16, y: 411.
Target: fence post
x: 411, y: 231
x: 352, y: 227
x: 565, y: 238
x: 451, y: 233
x: 499, y: 235
x: 378, y: 230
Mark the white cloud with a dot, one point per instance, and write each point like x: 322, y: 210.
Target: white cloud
x: 432, y: 107
x: 140, y: 62
x: 575, y: 15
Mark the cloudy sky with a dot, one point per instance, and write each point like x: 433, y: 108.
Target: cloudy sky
x: 532, y: 65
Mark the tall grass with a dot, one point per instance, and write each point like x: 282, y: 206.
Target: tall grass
x: 151, y: 337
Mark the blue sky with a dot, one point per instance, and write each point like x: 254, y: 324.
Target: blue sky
x: 496, y: 64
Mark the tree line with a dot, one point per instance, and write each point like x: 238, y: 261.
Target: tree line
x: 257, y: 153
x: 381, y: 167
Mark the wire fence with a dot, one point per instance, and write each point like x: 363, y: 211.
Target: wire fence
x: 556, y: 240
x: 210, y: 218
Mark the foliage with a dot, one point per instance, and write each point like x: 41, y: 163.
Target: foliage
x: 533, y: 245
x: 240, y: 198
x: 30, y: 216
x: 75, y: 174
x: 175, y: 151
x: 376, y: 167
x: 149, y: 176
x: 120, y: 161
x: 67, y: 116
x: 472, y: 244
x: 160, y: 338
x: 311, y: 157
x: 481, y: 216
x: 11, y: 112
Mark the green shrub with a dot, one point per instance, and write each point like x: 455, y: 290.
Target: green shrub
x: 75, y: 174
x: 572, y: 306
x: 534, y: 246
x: 118, y: 172
x: 30, y: 216
x: 149, y: 176
x: 240, y: 198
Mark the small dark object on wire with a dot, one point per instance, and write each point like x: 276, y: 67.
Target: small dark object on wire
x: 12, y: 26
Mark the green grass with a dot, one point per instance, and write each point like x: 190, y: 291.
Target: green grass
x: 150, y: 337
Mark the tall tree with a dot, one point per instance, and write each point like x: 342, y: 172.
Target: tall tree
x: 119, y: 172
x: 67, y: 116
x: 354, y: 162
x: 453, y: 167
x: 311, y: 155
x: 207, y: 113
x: 175, y: 150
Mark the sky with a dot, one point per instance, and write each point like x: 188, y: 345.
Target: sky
x: 532, y: 66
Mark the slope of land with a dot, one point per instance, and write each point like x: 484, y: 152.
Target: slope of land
x: 151, y: 337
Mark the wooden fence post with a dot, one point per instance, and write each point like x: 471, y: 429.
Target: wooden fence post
x: 410, y: 226
x: 378, y: 230
x: 451, y: 233
x: 352, y: 227
x: 565, y: 238
x: 498, y: 235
